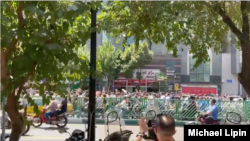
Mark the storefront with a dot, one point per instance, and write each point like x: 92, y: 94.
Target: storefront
x: 148, y: 77
x: 194, y: 89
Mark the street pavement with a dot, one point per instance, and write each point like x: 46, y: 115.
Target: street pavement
x: 51, y: 133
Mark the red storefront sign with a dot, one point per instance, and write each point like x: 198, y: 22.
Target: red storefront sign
x: 120, y: 82
x: 199, y: 90
x: 132, y: 82
x: 150, y: 82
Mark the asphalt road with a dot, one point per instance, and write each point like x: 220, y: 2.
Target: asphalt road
x: 51, y: 133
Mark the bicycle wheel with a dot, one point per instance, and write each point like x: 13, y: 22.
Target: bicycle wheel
x: 151, y: 115
x: 233, y: 117
x: 112, y: 116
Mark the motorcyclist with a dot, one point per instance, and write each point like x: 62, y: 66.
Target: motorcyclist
x: 211, y: 114
x: 62, y: 109
x: 52, y: 108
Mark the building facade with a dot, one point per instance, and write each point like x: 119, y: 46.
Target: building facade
x: 217, y: 76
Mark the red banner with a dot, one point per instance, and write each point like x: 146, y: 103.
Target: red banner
x: 120, y: 83
x: 132, y: 82
x: 198, y: 90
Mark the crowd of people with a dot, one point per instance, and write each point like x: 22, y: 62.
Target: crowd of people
x: 79, y: 97
x: 164, y: 101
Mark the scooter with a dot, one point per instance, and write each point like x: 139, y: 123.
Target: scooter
x: 60, y: 121
x: 26, y: 128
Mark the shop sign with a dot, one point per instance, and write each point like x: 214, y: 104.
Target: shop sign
x: 147, y: 73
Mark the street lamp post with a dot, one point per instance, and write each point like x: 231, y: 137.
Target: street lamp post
x: 159, y: 86
x: 174, y: 82
x: 92, y: 80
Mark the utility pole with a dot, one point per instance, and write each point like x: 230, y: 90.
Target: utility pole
x: 92, y: 80
x: 3, y: 119
x: 174, y: 82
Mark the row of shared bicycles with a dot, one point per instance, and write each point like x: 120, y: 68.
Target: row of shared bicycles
x: 124, y: 135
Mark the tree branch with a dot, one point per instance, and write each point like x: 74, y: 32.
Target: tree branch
x: 230, y: 23
x: 20, y: 88
x: 4, y: 73
x: 14, y: 40
x: 245, y: 20
x: 226, y: 19
x: 19, y: 12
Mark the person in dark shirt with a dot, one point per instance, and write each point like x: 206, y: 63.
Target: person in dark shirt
x: 62, y: 109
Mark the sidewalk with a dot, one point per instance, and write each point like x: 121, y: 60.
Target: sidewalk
x: 132, y: 122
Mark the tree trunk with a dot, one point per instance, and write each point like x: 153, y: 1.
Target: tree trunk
x: 109, y: 84
x: 17, y: 123
x: 244, y: 75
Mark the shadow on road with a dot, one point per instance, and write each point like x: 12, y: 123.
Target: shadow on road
x: 53, y: 128
x: 27, y: 135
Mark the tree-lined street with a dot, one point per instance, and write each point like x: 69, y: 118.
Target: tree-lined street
x: 46, y: 41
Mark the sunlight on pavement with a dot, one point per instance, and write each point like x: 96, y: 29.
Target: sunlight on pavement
x: 48, y: 133
x: 41, y: 138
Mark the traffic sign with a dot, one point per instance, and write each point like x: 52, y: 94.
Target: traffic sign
x: 176, y: 86
x: 229, y: 81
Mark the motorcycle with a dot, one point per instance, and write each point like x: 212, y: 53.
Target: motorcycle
x: 76, y: 135
x: 6, y: 136
x: 231, y: 117
x: 26, y: 128
x: 60, y: 120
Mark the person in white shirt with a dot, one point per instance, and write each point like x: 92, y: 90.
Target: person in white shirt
x: 52, y: 108
x: 167, y: 102
x: 162, y: 103
x: 163, y: 96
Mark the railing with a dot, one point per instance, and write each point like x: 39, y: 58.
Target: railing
x: 180, y: 109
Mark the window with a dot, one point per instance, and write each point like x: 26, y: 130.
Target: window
x: 201, y: 73
x: 200, y: 78
x: 199, y: 69
x: 177, y: 69
x: 192, y: 78
x: 206, y: 78
x: 207, y: 68
x: 170, y: 64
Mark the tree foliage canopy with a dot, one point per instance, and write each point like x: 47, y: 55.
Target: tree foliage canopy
x: 135, y: 58
x: 200, y: 25
x: 38, y: 39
